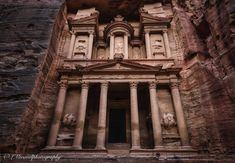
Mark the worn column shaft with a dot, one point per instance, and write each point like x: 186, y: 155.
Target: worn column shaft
x: 156, y: 122
x: 135, y: 132
x: 126, y: 46
x: 179, y: 114
x: 111, y: 46
x: 100, y: 142
x: 71, y: 46
x: 91, y: 38
x: 147, y: 44
x: 167, y: 45
x: 58, y: 114
x: 81, y: 117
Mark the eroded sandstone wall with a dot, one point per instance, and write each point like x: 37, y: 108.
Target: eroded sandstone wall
x: 208, y: 74
x: 26, y: 54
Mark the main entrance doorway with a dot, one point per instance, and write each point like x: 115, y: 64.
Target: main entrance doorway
x: 117, y: 126
x: 118, y: 123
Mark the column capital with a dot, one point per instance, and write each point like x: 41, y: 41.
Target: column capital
x: 133, y: 84
x: 164, y: 30
x: 63, y: 84
x: 84, y: 85
x: 104, y: 84
x: 174, y: 85
x: 153, y: 84
x: 146, y: 31
x: 72, y: 32
x: 91, y: 32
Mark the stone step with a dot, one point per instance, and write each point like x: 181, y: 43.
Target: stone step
x: 118, y: 151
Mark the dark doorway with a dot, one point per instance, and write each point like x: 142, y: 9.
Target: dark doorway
x: 117, y: 126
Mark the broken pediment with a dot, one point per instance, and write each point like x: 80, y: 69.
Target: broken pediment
x: 84, y: 18
x: 154, y: 13
x: 81, y: 14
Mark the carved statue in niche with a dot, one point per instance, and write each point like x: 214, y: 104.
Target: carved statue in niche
x: 69, y: 120
x: 168, y: 120
x: 81, y: 46
x: 118, y: 45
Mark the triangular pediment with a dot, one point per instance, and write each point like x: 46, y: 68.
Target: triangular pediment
x: 120, y: 66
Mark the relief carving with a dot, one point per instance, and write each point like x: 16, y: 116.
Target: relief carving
x: 168, y: 120
x: 81, y: 46
x: 69, y: 120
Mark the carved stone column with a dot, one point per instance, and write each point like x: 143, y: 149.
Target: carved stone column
x: 58, y: 114
x: 179, y: 114
x: 157, y: 130
x: 100, y: 141
x: 147, y: 44
x: 71, y: 46
x: 135, y: 132
x: 166, y: 42
x: 90, y: 44
x: 125, y: 46
x: 111, y: 46
x: 81, y: 116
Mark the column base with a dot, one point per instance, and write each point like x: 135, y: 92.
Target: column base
x: 100, y: 148
x: 50, y: 147
x: 135, y: 147
x: 77, y: 147
x: 159, y: 147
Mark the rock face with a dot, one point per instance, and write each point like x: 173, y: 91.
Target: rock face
x: 33, y: 33
x: 26, y: 29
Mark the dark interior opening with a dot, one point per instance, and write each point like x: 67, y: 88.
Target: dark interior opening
x: 117, y: 126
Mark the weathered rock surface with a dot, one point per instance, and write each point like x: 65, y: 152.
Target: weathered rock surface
x: 26, y: 28
x: 31, y: 32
